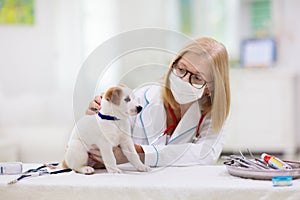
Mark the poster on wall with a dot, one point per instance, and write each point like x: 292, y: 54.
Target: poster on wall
x: 258, y: 52
x: 17, y: 12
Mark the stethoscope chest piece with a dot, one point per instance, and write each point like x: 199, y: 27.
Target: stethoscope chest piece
x: 195, y: 138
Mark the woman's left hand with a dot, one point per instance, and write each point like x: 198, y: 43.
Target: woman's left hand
x: 95, y: 154
x: 140, y: 152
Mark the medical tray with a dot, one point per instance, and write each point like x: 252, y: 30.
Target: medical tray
x: 262, y: 174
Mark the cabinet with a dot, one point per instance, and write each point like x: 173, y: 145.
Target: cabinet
x: 263, y: 111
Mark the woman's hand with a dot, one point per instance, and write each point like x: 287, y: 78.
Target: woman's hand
x: 94, y: 106
x: 140, y: 152
x: 95, y: 155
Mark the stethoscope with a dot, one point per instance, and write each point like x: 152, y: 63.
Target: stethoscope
x: 174, y: 125
x: 166, y: 131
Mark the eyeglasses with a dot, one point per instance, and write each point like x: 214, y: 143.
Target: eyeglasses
x: 195, y: 80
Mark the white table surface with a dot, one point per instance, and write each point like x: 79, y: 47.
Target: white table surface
x: 195, y: 182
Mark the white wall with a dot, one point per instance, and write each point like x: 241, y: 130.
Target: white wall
x: 39, y: 63
x: 138, y: 14
x: 37, y: 72
x: 287, y: 32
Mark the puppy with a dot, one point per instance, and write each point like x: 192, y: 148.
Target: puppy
x: 106, y: 130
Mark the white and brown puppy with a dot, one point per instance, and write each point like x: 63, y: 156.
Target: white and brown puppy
x: 106, y: 130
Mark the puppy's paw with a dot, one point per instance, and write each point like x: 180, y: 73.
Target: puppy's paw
x: 113, y: 170
x: 87, y: 170
x: 143, y: 168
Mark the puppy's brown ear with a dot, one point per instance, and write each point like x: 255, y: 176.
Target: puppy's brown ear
x: 114, y: 95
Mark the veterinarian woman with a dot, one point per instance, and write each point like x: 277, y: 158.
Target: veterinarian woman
x: 182, y: 122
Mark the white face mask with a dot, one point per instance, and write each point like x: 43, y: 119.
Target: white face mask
x: 182, y: 91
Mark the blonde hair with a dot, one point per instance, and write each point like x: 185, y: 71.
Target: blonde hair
x: 218, y: 102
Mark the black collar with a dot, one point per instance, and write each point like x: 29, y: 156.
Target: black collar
x: 107, y: 117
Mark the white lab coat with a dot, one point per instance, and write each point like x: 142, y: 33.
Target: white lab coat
x: 179, y: 151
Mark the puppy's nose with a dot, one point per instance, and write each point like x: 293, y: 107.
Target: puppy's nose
x: 139, y: 109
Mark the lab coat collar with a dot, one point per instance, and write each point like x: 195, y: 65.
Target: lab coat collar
x: 153, y: 93
x: 188, y: 121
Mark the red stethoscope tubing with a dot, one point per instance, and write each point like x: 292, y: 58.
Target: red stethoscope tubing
x: 175, y: 122
x: 173, y: 126
x: 198, y: 126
